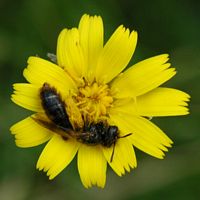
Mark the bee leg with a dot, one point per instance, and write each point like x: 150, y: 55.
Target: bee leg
x: 125, y: 135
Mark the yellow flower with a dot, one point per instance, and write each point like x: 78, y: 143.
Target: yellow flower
x: 90, y: 78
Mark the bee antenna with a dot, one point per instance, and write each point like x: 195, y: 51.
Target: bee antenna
x: 125, y: 135
x: 112, y: 155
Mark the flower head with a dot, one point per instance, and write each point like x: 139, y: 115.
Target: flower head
x: 89, y: 83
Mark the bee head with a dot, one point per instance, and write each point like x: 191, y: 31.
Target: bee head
x: 111, y: 136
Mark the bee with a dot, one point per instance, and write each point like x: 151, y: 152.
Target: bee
x: 90, y: 134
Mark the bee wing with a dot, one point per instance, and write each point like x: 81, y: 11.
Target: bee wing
x: 52, y: 127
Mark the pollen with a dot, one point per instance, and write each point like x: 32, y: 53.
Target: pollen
x: 93, y: 101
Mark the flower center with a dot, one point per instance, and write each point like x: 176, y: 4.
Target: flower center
x: 93, y: 101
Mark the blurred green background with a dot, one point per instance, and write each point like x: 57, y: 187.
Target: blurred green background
x: 31, y: 28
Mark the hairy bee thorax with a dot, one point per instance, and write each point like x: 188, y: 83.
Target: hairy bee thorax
x: 99, y: 133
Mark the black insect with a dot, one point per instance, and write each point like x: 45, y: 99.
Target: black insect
x: 90, y: 134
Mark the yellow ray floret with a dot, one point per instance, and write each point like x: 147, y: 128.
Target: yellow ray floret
x: 143, y: 77
x: 70, y: 54
x: 116, y: 54
x: 92, y: 166
x: 28, y: 133
x: 145, y: 135
x: 57, y: 154
x: 27, y: 96
x: 91, y: 40
x: 163, y: 102
x: 124, y: 156
x: 40, y: 71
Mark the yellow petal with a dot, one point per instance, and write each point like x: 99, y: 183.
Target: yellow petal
x: 116, y: 54
x: 91, y: 40
x: 28, y: 133
x: 40, y: 71
x: 145, y: 135
x: 125, y: 106
x: 57, y: 155
x: 163, y: 102
x: 69, y: 53
x: 123, y: 157
x: 27, y: 96
x: 92, y: 166
x: 143, y: 77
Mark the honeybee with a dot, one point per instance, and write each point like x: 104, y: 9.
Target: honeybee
x: 90, y: 134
